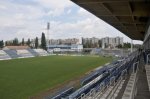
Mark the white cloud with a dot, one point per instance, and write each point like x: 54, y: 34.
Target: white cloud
x: 53, y: 4
x: 56, y: 7
x: 69, y: 11
x: 20, y: 20
x: 28, y: 21
x: 2, y: 7
x: 55, y: 12
x: 84, y: 28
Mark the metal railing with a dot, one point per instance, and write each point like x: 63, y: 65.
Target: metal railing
x: 147, y: 68
x: 132, y: 83
x: 111, y: 95
x: 148, y: 59
x: 135, y: 64
x: 98, y: 92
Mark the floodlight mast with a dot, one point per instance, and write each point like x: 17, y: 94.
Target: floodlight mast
x: 48, y: 28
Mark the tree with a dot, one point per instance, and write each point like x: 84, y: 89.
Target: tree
x: 119, y: 46
x: 8, y: 43
x: 1, y: 44
x: 82, y: 41
x: 43, y: 42
x: 127, y: 45
x: 28, y: 42
x: 15, y: 42
x: 22, y: 41
x: 86, y: 44
x: 36, y: 42
x: 89, y: 44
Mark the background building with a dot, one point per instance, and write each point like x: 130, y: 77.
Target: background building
x: 65, y: 45
x: 111, y: 42
x: 64, y: 41
x: 90, y: 42
x: 65, y: 48
x: 106, y: 42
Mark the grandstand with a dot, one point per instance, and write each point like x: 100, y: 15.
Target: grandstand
x: 24, y: 53
x: 128, y: 78
x: 4, y: 55
x: 63, y: 94
x: 12, y: 53
x: 105, y: 82
x: 109, y: 81
x: 41, y: 52
x: 21, y: 53
x: 33, y: 52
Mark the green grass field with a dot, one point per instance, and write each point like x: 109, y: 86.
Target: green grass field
x: 22, y: 78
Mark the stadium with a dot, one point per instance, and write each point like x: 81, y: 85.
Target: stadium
x: 27, y: 73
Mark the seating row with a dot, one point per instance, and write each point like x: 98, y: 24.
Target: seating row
x: 147, y: 68
x: 25, y: 53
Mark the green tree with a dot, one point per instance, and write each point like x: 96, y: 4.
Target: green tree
x: 43, y: 42
x: 15, y: 42
x: 7, y: 43
x: 82, y: 41
x: 89, y: 44
x: 36, y: 42
x: 127, y: 45
x: 28, y: 42
x: 22, y: 41
x: 1, y: 44
x: 119, y: 46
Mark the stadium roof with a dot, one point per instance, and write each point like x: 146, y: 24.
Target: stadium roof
x: 128, y: 16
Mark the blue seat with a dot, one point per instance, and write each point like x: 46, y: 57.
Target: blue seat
x: 64, y: 94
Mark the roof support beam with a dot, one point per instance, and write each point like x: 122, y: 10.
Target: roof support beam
x: 110, y: 11
x: 102, y: 1
x: 131, y: 9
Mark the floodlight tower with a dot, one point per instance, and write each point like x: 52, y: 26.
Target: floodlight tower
x: 48, y: 28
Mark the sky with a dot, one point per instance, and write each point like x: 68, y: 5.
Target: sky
x: 28, y: 19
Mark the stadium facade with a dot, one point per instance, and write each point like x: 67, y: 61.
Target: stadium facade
x: 111, y: 42
x: 65, y: 48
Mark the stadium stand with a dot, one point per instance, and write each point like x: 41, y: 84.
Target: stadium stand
x: 123, y: 15
x: 41, y: 52
x: 137, y: 75
x: 98, y: 71
x: 12, y: 53
x: 147, y: 68
x: 93, y: 75
x: 33, y: 52
x: 64, y: 94
x: 4, y: 55
x: 131, y: 90
x: 21, y: 53
x: 104, y: 81
x: 24, y: 53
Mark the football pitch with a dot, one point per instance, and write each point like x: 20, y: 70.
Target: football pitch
x: 22, y: 78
